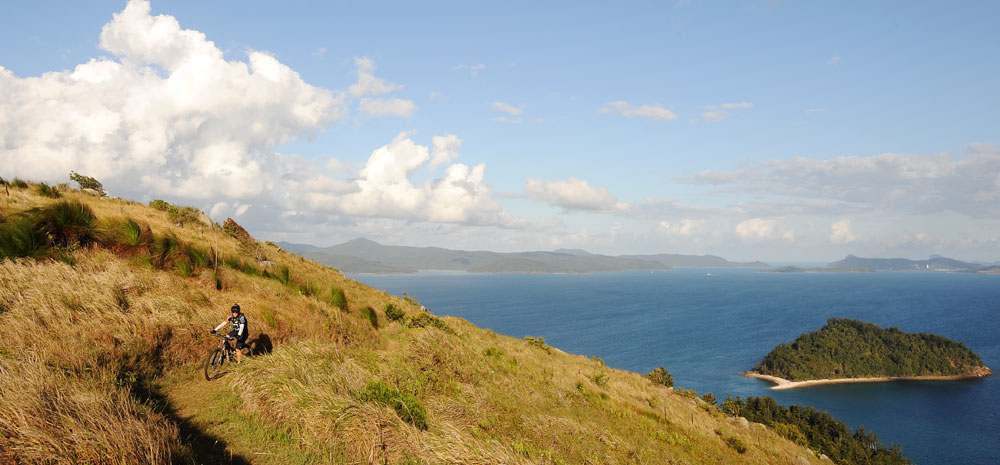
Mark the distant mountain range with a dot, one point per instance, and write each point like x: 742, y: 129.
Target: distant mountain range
x: 366, y: 256
x: 852, y: 264
x: 935, y: 263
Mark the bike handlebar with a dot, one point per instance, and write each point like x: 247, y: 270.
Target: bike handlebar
x: 224, y: 336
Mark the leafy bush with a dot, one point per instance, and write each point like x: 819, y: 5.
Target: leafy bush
x: 18, y: 183
x: 87, y: 182
x: 406, y: 406
x: 709, y: 398
x: 689, y: 393
x: 177, y: 214
x: 424, y: 319
x: 46, y: 190
x: 338, y: 299
x: 369, y: 313
x: 393, y: 313
x: 600, y: 379
x: 661, y: 376
x: 737, y: 444
x: 538, y: 342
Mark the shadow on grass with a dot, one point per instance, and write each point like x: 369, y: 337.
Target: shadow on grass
x: 205, y: 448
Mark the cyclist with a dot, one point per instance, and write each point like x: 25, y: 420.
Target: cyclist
x: 239, y: 331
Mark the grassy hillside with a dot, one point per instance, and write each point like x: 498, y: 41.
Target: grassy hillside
x: 105, y: 307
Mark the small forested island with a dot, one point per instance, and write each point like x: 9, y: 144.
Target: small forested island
x: 848, y: 350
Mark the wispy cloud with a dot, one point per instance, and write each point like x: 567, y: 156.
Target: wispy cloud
x: 507, y: 108
x: 623, y: 108
x: 716, y: 113
x: 833, y: 60
x: 387, y: 107
x: 472, y: 69
x: 890, y: 183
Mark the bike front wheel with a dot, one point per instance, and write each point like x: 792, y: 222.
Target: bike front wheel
x: 213, y: 366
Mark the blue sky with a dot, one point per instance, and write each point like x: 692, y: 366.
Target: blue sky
x: 783, y: 131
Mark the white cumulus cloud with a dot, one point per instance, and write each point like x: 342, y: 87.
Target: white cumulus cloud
x: 764, y: 229
x: 367, y: 83
x: 167, y: 110
x: 445, y: 149
x: 841, y: 232
x: 623, y: 108
x: 574, y: 194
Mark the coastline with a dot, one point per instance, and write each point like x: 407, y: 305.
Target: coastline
x: 782, y: 383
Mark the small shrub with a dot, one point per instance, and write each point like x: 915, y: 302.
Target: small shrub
x: 159, y: 205
x: 406, y: 406
x: 18, y: 183
x: 177, y: 214
x: 600, y: 379
x: 284, y: 275
x: 424, y: 319
x: 46, y: 190
x: 369, y: 313
x: 661, y: 376
x: 709, y: 398
x: 790, y: 432
x: 598, y: 360
x: 538, y: 342
x: 87, y: 182
x: 218, y: 280
x: 689, y: 393
x: 732, y: 406
x: 338, y: 299
x: 393, y: 313
x: 736, y: 444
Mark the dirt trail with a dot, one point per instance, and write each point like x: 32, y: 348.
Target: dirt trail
x: 193, y: 403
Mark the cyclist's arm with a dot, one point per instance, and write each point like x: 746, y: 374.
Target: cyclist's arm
x: 243, y: 326
x: 221, y: 325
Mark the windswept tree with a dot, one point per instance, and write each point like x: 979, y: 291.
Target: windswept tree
x: 87, y: 182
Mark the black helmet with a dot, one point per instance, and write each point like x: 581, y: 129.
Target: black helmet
x: 236, y: 308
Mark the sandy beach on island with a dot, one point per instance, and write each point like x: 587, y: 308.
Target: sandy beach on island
x: 782, y: 383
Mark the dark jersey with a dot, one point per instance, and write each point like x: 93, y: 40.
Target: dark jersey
x: 239, y: 325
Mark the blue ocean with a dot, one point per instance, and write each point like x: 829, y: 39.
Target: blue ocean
x: 707, y: 326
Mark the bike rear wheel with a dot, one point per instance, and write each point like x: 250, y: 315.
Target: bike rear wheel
x: 213, y: 366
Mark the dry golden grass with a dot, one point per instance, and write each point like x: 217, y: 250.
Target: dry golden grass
x: 81, y: 346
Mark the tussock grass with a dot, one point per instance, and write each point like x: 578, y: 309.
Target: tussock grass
x: 136, y: 307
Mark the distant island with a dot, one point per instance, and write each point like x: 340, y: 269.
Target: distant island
x: 795, y: 269
x: 366, y: 256
x: 851, y: 351
x: 853, y: 264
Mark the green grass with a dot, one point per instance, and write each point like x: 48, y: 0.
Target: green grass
x: 406, y: 406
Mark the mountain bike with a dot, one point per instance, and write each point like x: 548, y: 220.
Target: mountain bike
x: 220, y: 357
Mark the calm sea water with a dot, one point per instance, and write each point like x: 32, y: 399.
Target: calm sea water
x: 708, y: 326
